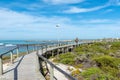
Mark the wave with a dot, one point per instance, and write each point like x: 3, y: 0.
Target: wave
x: 1, y: 44
x: 9, y: 45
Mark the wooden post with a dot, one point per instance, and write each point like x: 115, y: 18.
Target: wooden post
x: 17, y: 50
x: 27, y: 50
x: 1, y: 65
x: 51, y: 72
x: 42, y: 50
x: 74, y: 46
x: 37, y: 63
x: 33, y: 48
x: 37, y: 47
x: 67, y: 48
x: 53, y: 45
x: 11, y: 57
x: 57, y: 53
x: 41, y: 66
x: 52, y: 53
x: 46, y: 54
x: 59, y: 44
x: 64, y: 50
x: 46, y: 48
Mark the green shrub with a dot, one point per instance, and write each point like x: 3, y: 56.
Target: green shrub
x: 67, y: 55
x: 67, y: 58
x: 6, y: 57
x: 78, y: 66
x: 103, y: 54
x: 106, y: 60
x: 98, y: 47
x: 115, y: 46
x: 111, y: 71
x: 75, y: 72
x: 95, y: 73
x: 69, y: 61
x: 80, y: 53
x: 90, y: 71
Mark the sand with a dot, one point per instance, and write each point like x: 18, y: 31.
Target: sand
x: 6, y: 65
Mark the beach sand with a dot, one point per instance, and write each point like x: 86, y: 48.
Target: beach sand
x: 6, y: 65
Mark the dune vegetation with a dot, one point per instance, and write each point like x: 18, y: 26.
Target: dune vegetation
x: 97, y: 61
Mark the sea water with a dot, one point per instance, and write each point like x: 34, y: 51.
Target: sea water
x: 6, y: 45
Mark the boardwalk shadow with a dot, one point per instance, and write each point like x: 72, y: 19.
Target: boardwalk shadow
x: 15, y: 69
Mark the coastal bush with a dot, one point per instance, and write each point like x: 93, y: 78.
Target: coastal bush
x: 100, y: 43
x: 92, y: 48
x: 90, y: 71
x: 77, y: 75
x: 111, y: 71
x: 75, y: 72
x: 97, y: 74
x: 115, y: 44
x: 67, y: 58
x: 103, y: 57
x: 106, y: 60
x: 6, y: 57
x: 109, y: 65
x: 80, y: 53
x: 78, y: 66
x: 67, y: 61
x: 67, y: 55
x: 81, y: 49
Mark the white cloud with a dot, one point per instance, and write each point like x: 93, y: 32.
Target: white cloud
x: 63, y: 1
x: 115, y: 2
x: 98, y: 21
x: 10, y: 18
x: 15, y: 25
x: 81, y: 10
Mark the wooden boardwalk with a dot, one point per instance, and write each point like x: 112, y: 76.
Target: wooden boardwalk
x: 24, y: 68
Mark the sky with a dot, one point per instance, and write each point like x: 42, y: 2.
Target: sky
x: 37, y: 19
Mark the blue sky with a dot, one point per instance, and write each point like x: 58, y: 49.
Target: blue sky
x: 37, y: 19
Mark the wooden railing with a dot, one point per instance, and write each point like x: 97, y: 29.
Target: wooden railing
x: 37, y: 47
x: 16, y: 49
x: 51, y: 68
x: 44, y: 62
x: 11, y: 58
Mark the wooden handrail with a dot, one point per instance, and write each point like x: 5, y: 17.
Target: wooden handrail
x: 16, y: 48
x: 8, y: 51
x: 26, y: 45
x: 57, y: 68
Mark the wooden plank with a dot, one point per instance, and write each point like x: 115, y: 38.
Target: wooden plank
x: 24, y: 68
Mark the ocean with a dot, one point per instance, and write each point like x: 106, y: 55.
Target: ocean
x: 6, y: 45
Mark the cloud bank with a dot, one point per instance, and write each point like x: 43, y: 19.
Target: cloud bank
x: 81, y: 10
x: 75, y: 9
x: 16, y: 25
